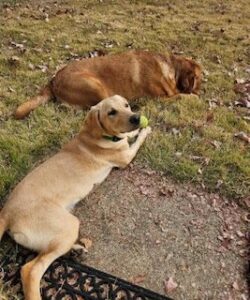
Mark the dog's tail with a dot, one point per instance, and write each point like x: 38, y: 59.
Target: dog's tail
x: 3, y: 226
x: 44, y: 96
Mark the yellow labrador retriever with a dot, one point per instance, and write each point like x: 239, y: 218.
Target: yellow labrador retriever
x: 38, y: 214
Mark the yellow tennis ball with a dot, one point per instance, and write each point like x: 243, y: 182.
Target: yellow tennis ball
x: 143, y: 122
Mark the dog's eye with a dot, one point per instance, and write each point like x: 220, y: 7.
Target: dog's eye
x: 126, y: 105
x: 112, y: 112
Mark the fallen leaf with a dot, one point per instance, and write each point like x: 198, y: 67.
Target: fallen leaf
x: 31, y: 66
x: 219, y: 183
x: 166, y: 191
x: 11, y: 89
x: 216, y: 144
x: 178, y: 154
x: 243, y: 136
x: 87, y: 243
x: 236, y: 286
x: 239, y: 80
x: 247, y: 201
x: 129, y: 44
x: 87, y: 285
x: 43, y: 68
x: 138, y: 278
x: 176, y: 132
x: 46, y: 17
x: 246, y: 217
x: 18, y: 46
x: 109, y: 44
x: 170, y: 285
x: 210, y: 116
x: 243, y: 102
x: 199, y: 171
x: 240, y: 234
x: 14, y: 60
x: 144, y: 190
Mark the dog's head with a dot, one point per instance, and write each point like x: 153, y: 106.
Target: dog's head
x: 188, y: 75
x: 111, y: 116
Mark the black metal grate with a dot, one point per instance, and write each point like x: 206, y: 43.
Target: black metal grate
x: 66, y: 279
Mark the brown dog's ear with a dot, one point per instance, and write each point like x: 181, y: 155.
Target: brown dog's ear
x: 185, y: 83
x: 188, y: 74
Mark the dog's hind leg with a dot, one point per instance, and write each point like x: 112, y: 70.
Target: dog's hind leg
x: 33, y: 271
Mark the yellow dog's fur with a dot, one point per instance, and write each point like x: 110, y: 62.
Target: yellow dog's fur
x: 37, y: 213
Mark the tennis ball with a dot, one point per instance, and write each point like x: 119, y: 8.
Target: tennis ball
x: 143, y: 122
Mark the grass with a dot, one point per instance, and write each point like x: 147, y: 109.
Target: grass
x: 201, y: 148
x: 213, y: 33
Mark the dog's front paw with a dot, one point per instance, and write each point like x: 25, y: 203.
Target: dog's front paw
x: 145, y: 131
x: 148, y: 130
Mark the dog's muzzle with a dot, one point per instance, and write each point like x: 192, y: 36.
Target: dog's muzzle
x: 135, y: 119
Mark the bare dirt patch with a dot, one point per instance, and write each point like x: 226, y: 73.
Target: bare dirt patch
x: 145, y: 228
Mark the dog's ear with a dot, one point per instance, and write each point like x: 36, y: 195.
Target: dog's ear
x: 188, y: 74
x: 186, y: 81
x: 92, y: 123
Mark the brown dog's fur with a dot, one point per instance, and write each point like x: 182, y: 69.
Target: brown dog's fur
x: 131, y: 74
x: 38, y: 211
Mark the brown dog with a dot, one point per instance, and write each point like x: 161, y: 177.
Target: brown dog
x: 131, y: 74
x: 38, y: 211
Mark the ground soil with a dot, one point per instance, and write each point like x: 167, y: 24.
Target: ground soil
x: 146, y: 229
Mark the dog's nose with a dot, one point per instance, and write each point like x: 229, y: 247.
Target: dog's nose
x: 135, y: 119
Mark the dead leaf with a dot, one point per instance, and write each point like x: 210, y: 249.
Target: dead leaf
x: 240, y: 234
x: 129, y: 44
x: 239, y: 80
x: 11, y: 89
x: 138, y: 278
x: 46, y: 17
x: 247, y: 201
x: 216, y: 144
x: 210, y: 116
x: 31, y: 66
x: 18, y: 46
x: 109, y: 44
x: 243, y: 102
x: 144, y: 190
x: 87, y: 285
x: 219, y: 183
x: 164, y: 191
x: 199, y: 171
x: 86, y: 242
x: 14, y: 60
x: 176, y: 132
x: 247, y: 118
x: 236, y: 286
x: 170, y: 285
x: 43, y: 68
x: 246, y: 217
x: 243, y: 136
x: 178, y: 154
